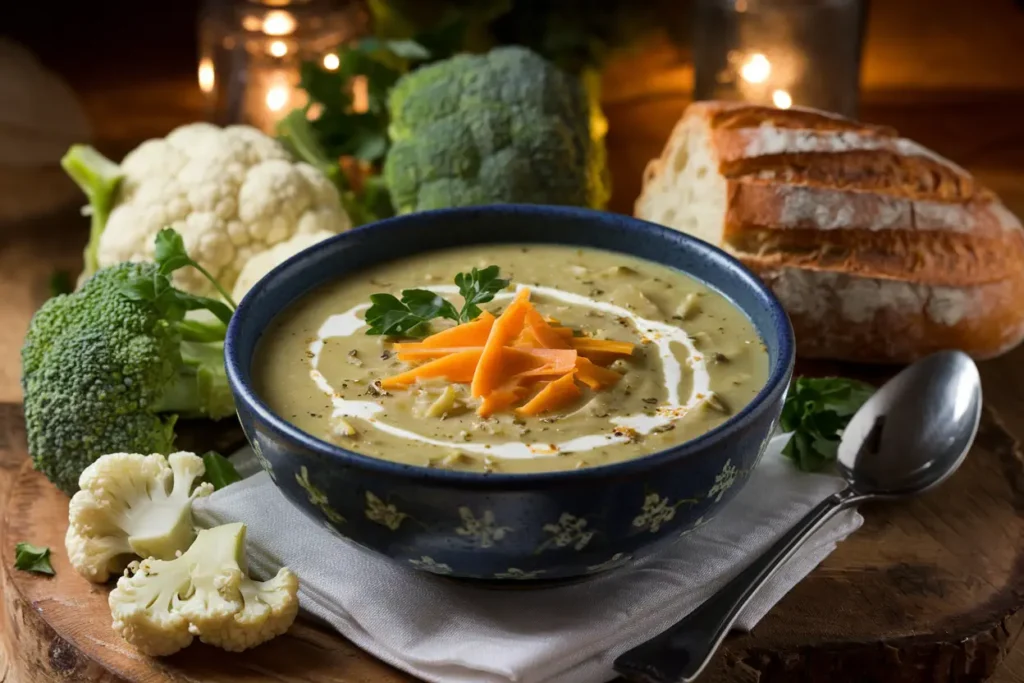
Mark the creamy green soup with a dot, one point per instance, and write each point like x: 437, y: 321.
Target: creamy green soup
x: 697, y: 360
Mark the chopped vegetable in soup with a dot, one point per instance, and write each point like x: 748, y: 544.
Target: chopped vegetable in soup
x: 511, y: 359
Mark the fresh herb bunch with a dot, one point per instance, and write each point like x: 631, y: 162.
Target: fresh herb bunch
x: 330, y: 128
x: 816, y: 411
x: 410, y: 315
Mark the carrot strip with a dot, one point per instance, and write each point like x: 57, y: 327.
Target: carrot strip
x: 501, y: 398
x: 588, y: 344
x: 563, y: 331
x: 506, y: 328
x: 473, y: 333
x: 543, y: 333
x: 555, y: 395
x: 455, y: 367
x: 594, y: 376
x: 556, y: 362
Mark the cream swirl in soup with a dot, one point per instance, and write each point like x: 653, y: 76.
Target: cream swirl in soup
x: 693, y: 360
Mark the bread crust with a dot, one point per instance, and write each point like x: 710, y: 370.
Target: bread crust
x: 879, y: 249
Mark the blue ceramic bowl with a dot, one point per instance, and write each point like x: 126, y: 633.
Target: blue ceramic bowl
x: 501, y: 527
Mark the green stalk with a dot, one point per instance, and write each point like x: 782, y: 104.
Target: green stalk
x: 99, y: 178
x: 200, y: 387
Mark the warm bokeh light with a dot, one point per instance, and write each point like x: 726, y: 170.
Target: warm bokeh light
x: 251, y: 22
x: 278, y: 48
x: 782, y: 99
x: 756, y: 68
x: 360, y: 94
x: 332, y: 62
x: 278, y: 23
x: 206, y: 75
x: 277, y: 97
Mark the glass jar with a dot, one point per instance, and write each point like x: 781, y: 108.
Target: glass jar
x: 780, y: 52
x: 251, y: 51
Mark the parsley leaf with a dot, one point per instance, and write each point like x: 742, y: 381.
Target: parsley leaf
x: 170, y: 255
x: 409, y: 315
x: 219, y: 470
x: 816, y: 412
x: 32, y: 558
x: 478, y: 287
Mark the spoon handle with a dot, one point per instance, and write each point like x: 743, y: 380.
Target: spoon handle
x: 680, y: 653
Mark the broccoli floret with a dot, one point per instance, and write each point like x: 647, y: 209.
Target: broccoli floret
x: 103, y: 372
x: 504, y: 127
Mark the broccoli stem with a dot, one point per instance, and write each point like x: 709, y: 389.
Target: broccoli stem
x: 200, y: 387
x: 99, y: 178
x: 295, y: 131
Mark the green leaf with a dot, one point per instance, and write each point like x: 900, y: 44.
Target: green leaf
x: 478, y: 287
x: 32, y: 558
x: 816, y: 411
x: 169, y: 251
x: 219, y: 470
x: 61, y: 283
x: 170, y: 255
x: 409, y: 315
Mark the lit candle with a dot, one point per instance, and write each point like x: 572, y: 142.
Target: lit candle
x: 251, y: 52
x: 778, y: 52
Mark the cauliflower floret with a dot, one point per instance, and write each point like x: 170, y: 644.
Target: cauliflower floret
x: 132, y: 505
x: 159, y: 606
x: 231, y: 193
x: 263, y: 263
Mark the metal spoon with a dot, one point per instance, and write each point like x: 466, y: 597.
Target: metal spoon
x: 912, y: 434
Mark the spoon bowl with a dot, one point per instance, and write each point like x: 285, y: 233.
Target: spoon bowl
x: 910, y: 436
x: 914, y: 432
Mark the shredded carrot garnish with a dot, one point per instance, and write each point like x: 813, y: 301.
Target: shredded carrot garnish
x: 506, y: 359
x: 505, y: 329
x: 456, y: 367
x: 555, y: 395
x: 590, y: 345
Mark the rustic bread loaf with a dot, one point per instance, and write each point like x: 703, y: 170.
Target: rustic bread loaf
x: 879, y: 249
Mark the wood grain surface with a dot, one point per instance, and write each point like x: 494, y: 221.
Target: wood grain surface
x: 928, y: 590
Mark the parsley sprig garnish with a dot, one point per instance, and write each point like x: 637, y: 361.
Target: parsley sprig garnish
x: 817, y: 411
x: 410, y: 315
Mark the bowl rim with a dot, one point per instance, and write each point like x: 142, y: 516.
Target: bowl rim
x: 239, y: 379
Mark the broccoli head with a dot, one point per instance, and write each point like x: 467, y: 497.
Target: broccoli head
x: 504, y: 127
x: 107, y: 370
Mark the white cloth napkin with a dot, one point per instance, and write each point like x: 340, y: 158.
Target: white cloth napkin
x: 445, y: 632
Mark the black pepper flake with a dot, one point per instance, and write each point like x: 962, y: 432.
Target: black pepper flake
x: 385, y: 355
x: 353, y: 353
x: 651, y: 401
x: 596, y: 292
x: 588, y: 283
x: 374, y: 389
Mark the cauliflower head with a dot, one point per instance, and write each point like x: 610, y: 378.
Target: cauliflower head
x: 231, y: 193
x: 130, y: 505
x: 503, y: 127
x: 261, y: 264
x: 158, y: 606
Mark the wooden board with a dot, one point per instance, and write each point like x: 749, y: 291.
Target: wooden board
x: 928, y: 590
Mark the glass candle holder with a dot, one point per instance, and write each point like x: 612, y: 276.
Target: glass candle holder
x: 250, y: 53
x: 780, y: 52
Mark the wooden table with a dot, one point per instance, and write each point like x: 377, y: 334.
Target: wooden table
x: 980, y: 131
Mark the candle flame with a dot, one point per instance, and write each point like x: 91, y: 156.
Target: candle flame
x: 277, y: 97
x: 278, y: 48
x: 756, y: 69
x: 782, y: 99
x: 207, y: 77
x: 278, y: 23
x: 332, y: 62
